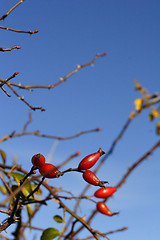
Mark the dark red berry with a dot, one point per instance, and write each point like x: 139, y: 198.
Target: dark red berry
x: 102, y: 208
x: 105, y: 192
x: 90, y: 160
x: 91, y: 178
x: 49, y: 171
x: 38, y: 160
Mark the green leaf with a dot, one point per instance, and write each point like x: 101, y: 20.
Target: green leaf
x: 50, y: 233
x: 58, y: 219
x: 3, y: 190
x: 27, y: 189
x: 17, y: 176
x: 3, y: 155
x: 30, y: 212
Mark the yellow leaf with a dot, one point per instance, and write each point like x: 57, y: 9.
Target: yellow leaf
x: 3, y: 155
x: 158, y: 128
x: 138, y: 104
x: 138, y: 86
x: 155, y: 113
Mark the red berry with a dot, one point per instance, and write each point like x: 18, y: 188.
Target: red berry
x: 49, y: 171
x: 91, y: 178
x: 90, y: 160
x: 102, y: 208
x: 105, y: 192
x: 38, y: 160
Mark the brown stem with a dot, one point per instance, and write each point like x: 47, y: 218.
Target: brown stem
x: 18, y: 31
x: 10, y: 10
x: 38, y: 134
x: 9, y: 49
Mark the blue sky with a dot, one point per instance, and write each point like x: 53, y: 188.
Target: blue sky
x: 70, y: 33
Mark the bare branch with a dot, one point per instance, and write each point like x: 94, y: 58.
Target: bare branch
x: 10, y: 10
x: 9, y: 84
x: 69, y: 159
x: 9, y: 49
x: 8, y: 95
x: 5, y: 81
x: 30, y: 87
x: 28, y: 122
x: 23, y: 100
x: 38, y: 134
x: 136, y: 164
x: 110, y: 232
x: 19, y: 31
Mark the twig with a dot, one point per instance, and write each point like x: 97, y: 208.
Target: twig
x: 6, y: 212
x: 6, y: 81
x: 9, y: 49
x: 71, y: 231
x: 30, y: 87
x: 69, y: 159
x: 6, y: 185
x: 28, y: 122
x: 38, y: 134
x: 10, y: 84
x: 18, y: 31
x: 136, y: 164
x: 35, y: 190
x: 32, y: 227
x: 64, y: 221
x: 23, y: 100
x: 107, y: 233
x: 4, y: 237
x: 10, y: 10
x: 8, y: 95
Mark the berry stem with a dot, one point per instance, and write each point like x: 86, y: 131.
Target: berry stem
x: 101, y: 151
x: 71, y: 170
x: 101, y: 183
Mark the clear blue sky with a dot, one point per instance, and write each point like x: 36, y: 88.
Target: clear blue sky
x: 71, y: 33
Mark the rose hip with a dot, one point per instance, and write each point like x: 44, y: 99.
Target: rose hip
x: 38, y: 160
x: 102, y: 208
x: 105, y: 192
x: 49, y: 171
x: 90, y: 160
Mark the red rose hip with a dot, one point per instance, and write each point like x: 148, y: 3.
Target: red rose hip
x: 105, y: 192
x: 90, y: 160
x: 38, y: 160
x: 91, y: 178
x: 49, y: 171
x: 102, y: 208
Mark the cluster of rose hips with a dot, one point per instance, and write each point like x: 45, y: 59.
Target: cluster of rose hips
x: 50, y: 171
x: 47, y: 170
